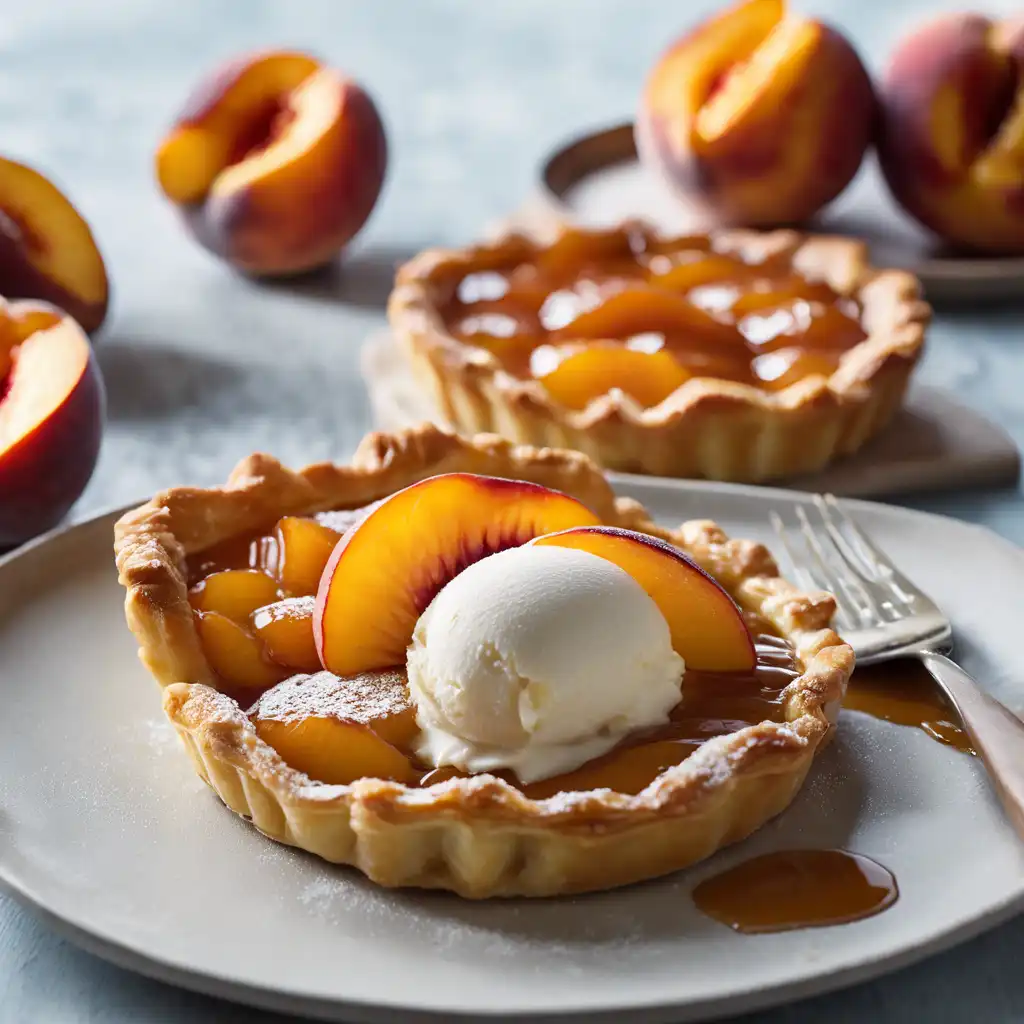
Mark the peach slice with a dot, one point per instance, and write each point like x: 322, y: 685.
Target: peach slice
x: 235, y: 593
x: 304, y: 545
x: 801, y: 323
x: 681, y: 275
x: 276, y: 163
x: 47, y: 251
x: 385, y: 572
x: 286, y: 630
x: 783, y: 367
x: 756, y: 116
x: 234, y: 653
x: 340, y: 730
x: 707, y: 627
x: 585, y: 374
x: 51, y: 417
x: 638, y: 310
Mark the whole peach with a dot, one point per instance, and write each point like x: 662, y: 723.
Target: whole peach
x: 952, y: 133
x: 757, y: 117
x: 276, y: 163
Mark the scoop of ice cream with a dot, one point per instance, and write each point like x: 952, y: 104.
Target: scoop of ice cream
x: 538, y: 659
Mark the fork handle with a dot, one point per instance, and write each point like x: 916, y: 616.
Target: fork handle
x: 996, y: 732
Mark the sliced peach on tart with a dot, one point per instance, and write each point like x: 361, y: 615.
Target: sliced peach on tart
x: 708, y: 630
x: 340, y: 730
x: 305, y: 546
x: 575, y: 375
x: 235, y: 654
x: 639, y: 309
x: 234, y: 593
x: 286, y: 630
x: 384, y: 573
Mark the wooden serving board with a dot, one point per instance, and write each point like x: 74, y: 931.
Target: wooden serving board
x: 935, y: 443
x: 596, y: 180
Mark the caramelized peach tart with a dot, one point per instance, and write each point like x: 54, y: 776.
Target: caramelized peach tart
x: 735, y: 355
x: 464, y: 664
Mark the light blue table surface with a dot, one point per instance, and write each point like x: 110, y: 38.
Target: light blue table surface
x: 204, y: 367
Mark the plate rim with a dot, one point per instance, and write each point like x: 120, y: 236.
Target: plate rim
x: 275, y: 998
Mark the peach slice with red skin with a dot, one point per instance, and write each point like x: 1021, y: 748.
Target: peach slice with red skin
x: 340, y: 730
x: 384, y: 573
x: 47, y: 251
x: 757, y: 117
x: 51, y: 417
x: 707, y: 627
x: 276, y: 162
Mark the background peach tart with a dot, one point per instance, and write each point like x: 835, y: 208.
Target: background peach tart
x: 467, y: 665
x: 736, y: 355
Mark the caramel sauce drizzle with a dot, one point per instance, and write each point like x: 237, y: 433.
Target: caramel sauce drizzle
x: 797, y: 889
x: 904, y: 693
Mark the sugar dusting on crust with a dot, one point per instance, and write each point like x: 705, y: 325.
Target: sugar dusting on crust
x: 363, y: 698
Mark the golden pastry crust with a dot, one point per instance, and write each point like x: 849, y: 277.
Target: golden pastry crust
x: 479, y: 836
x: 718, y: 429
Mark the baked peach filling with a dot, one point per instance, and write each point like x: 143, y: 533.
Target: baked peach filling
x: 598, y: 311
x: 307, y: 623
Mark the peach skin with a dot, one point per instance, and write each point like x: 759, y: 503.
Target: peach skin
x: 757, y: 117
x: 47, y: 251
x: 276, y: 163
x: 51, y: 417
x: 952, y: 135
x: 409, y: 547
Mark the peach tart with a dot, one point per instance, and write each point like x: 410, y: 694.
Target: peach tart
x: 734, y: 355
x: 467, y: 665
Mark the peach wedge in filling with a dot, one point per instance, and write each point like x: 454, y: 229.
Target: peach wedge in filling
x: 498, y: 657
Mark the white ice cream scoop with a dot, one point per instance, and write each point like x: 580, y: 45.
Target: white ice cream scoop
x: 538, y: 659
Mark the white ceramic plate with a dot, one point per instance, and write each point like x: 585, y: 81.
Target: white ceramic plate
x: 105, y: 828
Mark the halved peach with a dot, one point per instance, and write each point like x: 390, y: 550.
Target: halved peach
x: 340, y: 730
x: 47, y: 251
x: 234, y: 653
x: 235, y: 593
x: 707, y: 627
x: 286, y: 630
x: 757, y: 116
x: 51, y: 417
x: 952, y: 140
x: 304, y: 546
x: 589, y: 372
x: 276, y: 162
x: 385, y: 572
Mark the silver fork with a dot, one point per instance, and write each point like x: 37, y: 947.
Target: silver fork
x: 882, y: 615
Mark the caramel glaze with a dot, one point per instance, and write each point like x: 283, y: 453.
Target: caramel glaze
x: 904, y: 693
x: 797, y: 889
x: 759, y: 323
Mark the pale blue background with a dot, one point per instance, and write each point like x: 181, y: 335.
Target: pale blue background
x: 204, y: 367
